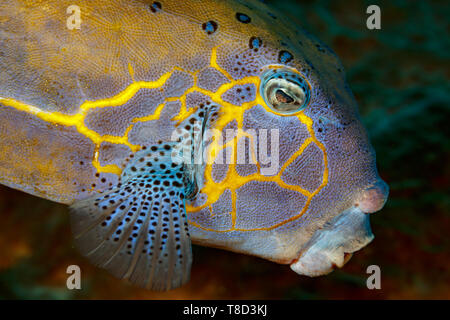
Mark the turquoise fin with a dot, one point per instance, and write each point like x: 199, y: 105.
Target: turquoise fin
x: 138, y: 230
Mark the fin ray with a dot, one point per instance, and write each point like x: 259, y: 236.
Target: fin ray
x: 138, y: 230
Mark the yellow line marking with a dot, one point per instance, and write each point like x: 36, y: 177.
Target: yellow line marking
x: 213, y: 63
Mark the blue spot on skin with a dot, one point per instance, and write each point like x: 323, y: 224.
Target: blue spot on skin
x: 271, y: 15
x: 319, y: 47
x: 210, y: 27
x: 243, y: 18
x: 255, y: 43
x: 285, y: 57
x: 155, y: 7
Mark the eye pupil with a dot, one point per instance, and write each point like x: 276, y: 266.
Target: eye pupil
x: 282, y: 97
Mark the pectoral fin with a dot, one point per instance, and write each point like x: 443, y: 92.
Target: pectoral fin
x: 138, y: 230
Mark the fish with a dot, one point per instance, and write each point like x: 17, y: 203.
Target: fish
x: 163, y: 124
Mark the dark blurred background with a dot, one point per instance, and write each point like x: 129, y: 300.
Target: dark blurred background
x: 400, y: 77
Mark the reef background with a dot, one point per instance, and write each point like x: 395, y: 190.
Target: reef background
x: 400, y: 77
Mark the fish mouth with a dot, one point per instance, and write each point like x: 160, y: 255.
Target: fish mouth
x: 332, y: 245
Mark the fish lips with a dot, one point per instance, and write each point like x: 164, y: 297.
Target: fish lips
x: 332, y: 245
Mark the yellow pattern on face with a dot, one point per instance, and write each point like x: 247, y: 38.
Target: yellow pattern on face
x: 233, y: 180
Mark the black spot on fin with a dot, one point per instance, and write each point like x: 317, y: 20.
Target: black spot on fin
x: 138, y: 230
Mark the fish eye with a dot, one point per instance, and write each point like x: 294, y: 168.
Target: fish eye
x: 285, y: 92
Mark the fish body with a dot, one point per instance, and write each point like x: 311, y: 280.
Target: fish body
x: 103, y: 102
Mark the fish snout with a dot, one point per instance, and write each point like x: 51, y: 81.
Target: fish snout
x: 374, y: 197
x: 332, y: 245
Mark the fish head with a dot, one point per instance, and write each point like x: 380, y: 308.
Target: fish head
x: 296, y: 178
